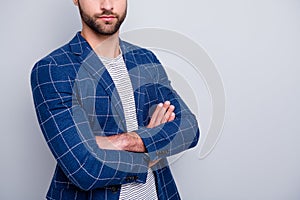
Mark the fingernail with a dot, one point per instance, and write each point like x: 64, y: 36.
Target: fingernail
x: 167, y: 102
x: 160, y: 104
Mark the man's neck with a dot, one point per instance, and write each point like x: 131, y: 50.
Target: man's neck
x: 104, y: 45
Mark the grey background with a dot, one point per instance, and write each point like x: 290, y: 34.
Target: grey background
x: 255, y: 46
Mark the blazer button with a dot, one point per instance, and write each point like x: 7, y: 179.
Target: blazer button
x: 114, y: 189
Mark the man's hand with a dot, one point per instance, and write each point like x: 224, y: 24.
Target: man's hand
x: 163, y: 113
x: 125, y: 141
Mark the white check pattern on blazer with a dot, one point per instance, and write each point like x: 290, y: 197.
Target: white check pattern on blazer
x: 75, y: 99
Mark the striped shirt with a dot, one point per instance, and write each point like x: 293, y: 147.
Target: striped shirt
x: 119, y: 74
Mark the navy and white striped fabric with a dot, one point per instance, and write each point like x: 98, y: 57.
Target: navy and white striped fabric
x: 75, y: 99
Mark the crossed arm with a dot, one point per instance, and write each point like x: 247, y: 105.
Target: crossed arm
x: 131, y: 141
x: 66, y: 128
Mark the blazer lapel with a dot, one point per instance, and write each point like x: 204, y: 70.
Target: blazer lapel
x: 91, y: 63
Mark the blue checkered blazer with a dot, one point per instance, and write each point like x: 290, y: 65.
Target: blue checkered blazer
x: 75, y: 100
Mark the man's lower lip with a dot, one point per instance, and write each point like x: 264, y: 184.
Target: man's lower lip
x: 107, y: 18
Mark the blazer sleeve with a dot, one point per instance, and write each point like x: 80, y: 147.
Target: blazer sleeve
x: 172, y: 137
x: 66, y: 129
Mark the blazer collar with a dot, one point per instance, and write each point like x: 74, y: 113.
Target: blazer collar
x: 79, y: 46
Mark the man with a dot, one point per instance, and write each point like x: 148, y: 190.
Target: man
x: 94, y: 97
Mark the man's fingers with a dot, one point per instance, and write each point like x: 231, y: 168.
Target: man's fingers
x: 155, y: 115
x: 168, y: 114
x: 172, y: 117
x: 164, y: 112
x: 152, y: 163
x: 161, y: 115
x: 158, y: 114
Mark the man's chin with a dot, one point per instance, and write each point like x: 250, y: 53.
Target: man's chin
x: 106, y: 32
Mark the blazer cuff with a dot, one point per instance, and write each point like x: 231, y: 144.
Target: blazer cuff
x: 139, y: 172
x: 147, y: 136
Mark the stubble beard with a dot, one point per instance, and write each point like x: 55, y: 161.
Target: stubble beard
x: 102, y: 29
